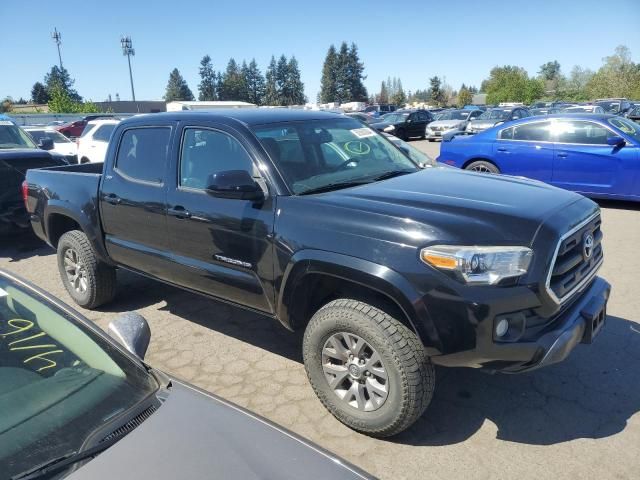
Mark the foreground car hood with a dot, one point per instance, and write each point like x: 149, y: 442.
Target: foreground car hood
x: 196, y: 436
x: 443, y: 204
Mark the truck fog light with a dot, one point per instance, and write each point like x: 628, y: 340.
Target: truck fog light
x: 502, y: 327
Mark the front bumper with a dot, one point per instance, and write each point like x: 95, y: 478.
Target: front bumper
x: 578, y: 323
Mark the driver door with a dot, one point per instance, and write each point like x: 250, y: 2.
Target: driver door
x: 220, y: 246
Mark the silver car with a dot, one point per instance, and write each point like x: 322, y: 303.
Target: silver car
x: 497, y: 116
x: 451, y: 120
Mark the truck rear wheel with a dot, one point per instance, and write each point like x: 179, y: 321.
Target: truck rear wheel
x: 89, y: 281
x: 367, y: 368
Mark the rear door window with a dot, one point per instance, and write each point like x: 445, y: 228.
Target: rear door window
x: 103, y: 132
x: 533, y: 132
x: 142, y: 153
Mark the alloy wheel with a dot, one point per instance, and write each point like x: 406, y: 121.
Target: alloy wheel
x: 355, y: 371
x: 75, y: 270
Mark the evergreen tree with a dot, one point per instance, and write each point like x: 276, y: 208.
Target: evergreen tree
x: 295, y: 87
x: 343, y: 87
x: 254, y: 81
x: 60, y: 78
x: 177, y: 88
x: 436, y: 92
x: 233, y: 86
x: 399, y: 98
x: 39, y: 93
x: 465, y: 97
x: 383, y: 96
x: 207, y: 86
x: 282, y: 81
x: 328, y: 87
x: 271, y: 96
x: 355, y: 76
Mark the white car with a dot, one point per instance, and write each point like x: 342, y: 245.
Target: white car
x: 451, y: 120
x: 61, y: 144
x: 93, y: 143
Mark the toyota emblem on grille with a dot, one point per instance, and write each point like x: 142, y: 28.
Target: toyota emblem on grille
x: 587, y: 246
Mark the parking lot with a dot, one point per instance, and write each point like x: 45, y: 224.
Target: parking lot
x: 578, y: 419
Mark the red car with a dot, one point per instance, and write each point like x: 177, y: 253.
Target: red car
x: 75, y: 129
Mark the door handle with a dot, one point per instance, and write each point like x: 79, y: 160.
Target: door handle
x: 503, y: 149
x: 179, y: 212
x: 563, y: 154
x: 112, y: 198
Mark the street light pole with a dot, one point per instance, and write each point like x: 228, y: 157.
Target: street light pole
x: 57, y: 37
x: 127, y: 49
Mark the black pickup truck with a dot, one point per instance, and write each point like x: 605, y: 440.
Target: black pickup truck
x: 321, y: 223
x: 19, y: 153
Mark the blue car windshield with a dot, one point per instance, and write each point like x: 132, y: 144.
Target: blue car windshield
x: 495, y: 115
x: 626, y: 126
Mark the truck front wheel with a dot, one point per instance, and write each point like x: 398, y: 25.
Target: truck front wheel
x: 367, y: 368
x: 89, y: 281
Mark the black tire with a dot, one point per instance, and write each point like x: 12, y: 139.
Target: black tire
x: 482, y: 166
x: 410, y: 374
x: 402, y: 135
x: 84, y: 160
x: 98, y: 278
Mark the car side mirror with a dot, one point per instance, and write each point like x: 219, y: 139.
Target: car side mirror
x: 132, y: 331
x: 45, y: 143
x: 234, y: 184
x: 616, y: 141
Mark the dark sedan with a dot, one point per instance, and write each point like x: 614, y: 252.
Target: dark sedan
x: 75, y: 402
x: 405, y: 124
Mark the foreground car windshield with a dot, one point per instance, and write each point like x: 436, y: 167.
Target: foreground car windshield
x: 320, y: 153
x: 455, y: 115
x: 495, y: 115
x: 57, y: 137
x: 627, y: 126
x: 59, y: 381
x: 11, y: 136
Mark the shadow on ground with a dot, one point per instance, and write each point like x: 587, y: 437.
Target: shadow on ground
x: 23, y: 244
x: 590, y: 395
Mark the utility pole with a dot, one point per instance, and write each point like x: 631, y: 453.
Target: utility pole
x: 57, y: 37
x: 127, y: 49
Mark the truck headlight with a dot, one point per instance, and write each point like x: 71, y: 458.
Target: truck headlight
x: 479, y: 265
x: 390, y: 128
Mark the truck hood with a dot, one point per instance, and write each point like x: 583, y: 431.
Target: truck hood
x: 446, y: 205
x: 194, y: 435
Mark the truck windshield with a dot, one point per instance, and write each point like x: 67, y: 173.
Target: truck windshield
x: 59, y: 381
x: 338, y: 151
x: 12, y: 136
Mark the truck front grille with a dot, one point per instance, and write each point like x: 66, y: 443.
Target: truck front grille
x: 577, y: 259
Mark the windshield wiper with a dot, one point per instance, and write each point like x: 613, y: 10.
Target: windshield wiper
x: 391, y: 174
x: 335, y: 186
x: 64, y: 461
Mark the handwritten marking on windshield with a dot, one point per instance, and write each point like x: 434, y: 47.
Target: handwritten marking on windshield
x: 19, y: 326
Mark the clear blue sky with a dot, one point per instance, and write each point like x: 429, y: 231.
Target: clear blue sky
x: 413, y: 40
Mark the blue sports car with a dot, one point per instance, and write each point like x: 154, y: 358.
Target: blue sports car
x: 594, y: 154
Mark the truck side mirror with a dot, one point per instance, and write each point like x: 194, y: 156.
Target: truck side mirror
x: 45, y: 143
x: 234, y: 184
x: 132, y: 331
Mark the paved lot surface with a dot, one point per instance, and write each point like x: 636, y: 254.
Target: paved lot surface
x: 578, y: 419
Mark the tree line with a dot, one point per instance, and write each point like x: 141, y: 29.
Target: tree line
x: 281, y: 85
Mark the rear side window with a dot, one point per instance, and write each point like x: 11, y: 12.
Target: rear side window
x: 103, y: 132
x: 86, y: 130
x: 532, y: 132
x: 142, y: 154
